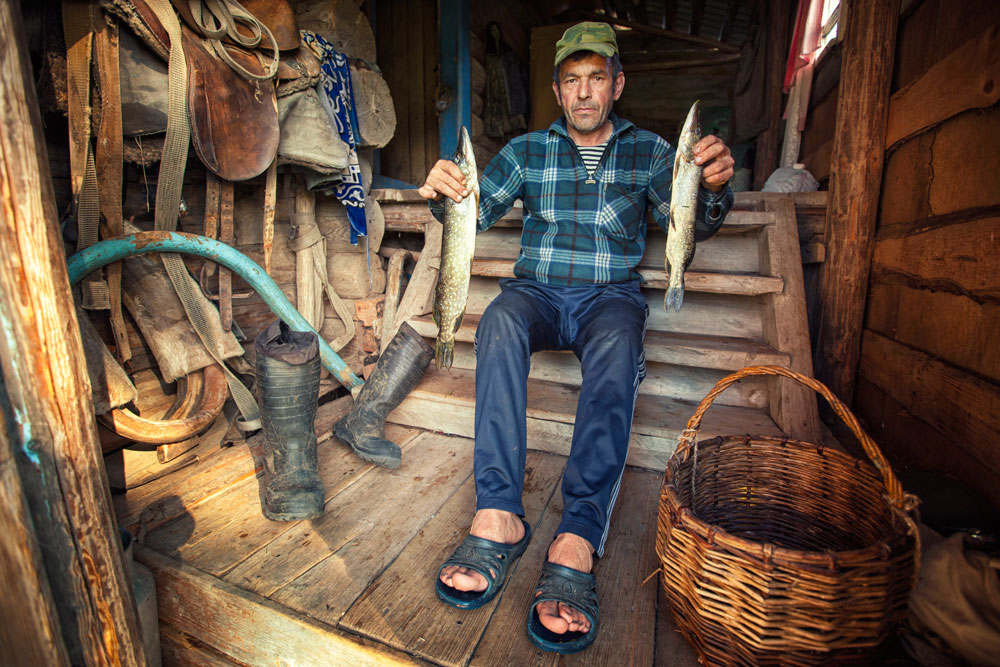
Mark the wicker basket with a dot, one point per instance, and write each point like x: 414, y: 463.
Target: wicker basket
x: 777, y: 551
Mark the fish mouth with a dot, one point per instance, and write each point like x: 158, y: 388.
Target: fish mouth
x: 464, y: 145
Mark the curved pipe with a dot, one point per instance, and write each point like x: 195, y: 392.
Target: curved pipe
x: 112, y: 250
x: 130, y: 425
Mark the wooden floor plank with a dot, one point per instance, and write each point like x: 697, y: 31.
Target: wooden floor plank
x: 505, y: 641
x: 253, y: 630
x: 217, y: 535
x: 628, y: 608
x: 220, y: 468
x: 401, y: 608
x: 672, y: 650
x: 434, y: 467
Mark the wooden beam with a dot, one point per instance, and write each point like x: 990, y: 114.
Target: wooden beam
x: 775, y: 18
x: 732, y: 8
x: 243, y: 625
x: 29, y: 626
x: 967, y: 78
x: 671, y: 34
x: 682, y: 64
x: 958, y: 404
x: 47, y: 396
x: 855, y: 179
x: 669, y: 14
x: 697, y: 14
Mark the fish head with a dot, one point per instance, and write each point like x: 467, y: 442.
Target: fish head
x: 690, y: 132
x: 464, y: 157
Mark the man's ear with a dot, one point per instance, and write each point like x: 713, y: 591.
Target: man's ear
x: 619, y: 84
x: 555, y: 91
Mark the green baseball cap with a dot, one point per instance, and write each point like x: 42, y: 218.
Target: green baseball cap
x: 587, y: 36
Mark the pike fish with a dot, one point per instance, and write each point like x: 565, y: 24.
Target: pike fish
x: 683, y: 208
x: 458, y: 243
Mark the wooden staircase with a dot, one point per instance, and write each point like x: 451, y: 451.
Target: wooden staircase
x: 743, y: 305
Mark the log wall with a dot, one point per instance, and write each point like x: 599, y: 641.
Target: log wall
x: 407, y: 45
x: 928, y: 383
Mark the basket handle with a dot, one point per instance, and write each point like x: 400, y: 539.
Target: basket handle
x: 897, y: 496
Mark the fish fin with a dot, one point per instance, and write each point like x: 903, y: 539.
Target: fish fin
x: 458, y: 322
x: 675, y: 297
x: 444, y: 352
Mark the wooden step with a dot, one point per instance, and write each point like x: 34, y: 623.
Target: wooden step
x: 703, y: 351
x: 445, y: 401
x: 694, y: 281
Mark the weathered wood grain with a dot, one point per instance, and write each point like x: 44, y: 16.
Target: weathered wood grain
x: 968, y: 78
x: 949, y: 327
x: 222, y: 532
x: 958, y: 404
x: 46, y: 392
x: 357, y: 533
x: 180, y: 650
x: 401, y: 608
x: 862, y: 109
x: 251, y: 629
x: 786, y: 328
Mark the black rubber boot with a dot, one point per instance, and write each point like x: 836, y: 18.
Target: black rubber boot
x: 288, y: 369
x: 396, y: 373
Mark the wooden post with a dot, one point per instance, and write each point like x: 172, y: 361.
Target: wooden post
x: 769, y: 141
x: 47, y: 411
x: 855, y: 182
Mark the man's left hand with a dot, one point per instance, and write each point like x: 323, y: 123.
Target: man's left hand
x: 717, y: 163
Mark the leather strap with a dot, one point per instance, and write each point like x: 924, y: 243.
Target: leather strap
x: 109, y: 169
x: 168, y: 195
x: 78, y: 27
x: 227, y: 234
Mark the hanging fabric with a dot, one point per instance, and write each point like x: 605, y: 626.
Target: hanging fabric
x: 339, y: 103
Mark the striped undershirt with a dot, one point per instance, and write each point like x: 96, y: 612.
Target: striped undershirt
x: 592, y: 156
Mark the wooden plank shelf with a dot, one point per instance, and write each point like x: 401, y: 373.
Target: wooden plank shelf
x: 694, y: 281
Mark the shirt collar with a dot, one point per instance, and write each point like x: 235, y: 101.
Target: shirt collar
x: 619, y: 125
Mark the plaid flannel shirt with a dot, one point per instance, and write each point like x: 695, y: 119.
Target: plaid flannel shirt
x: 580, y: 230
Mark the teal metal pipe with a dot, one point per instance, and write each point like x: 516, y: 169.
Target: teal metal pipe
x: 112, y: 250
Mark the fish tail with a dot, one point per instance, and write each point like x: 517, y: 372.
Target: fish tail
x: 675, y: 297
x: 675, y: 288
x: 444, y: 352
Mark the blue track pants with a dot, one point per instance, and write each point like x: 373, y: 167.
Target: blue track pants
x: 604, y: 326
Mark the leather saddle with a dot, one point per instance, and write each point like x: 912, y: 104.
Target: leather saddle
x: 234, y: 121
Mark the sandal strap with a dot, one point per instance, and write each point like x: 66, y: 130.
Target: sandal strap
x: 482, y: 555
x: 564, y: 584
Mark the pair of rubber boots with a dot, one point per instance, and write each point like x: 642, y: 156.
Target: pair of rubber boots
x: 288, y: 373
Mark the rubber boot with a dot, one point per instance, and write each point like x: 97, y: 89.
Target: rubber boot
x: 288, y: 369
x: 396, y: 373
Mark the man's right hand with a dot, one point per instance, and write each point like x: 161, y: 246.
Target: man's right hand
x: 445, y: 178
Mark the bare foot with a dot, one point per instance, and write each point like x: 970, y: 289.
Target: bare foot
x: 574, y: 552
x: 495, y: 525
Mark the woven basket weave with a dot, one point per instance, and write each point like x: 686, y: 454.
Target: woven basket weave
x: 776, y: 551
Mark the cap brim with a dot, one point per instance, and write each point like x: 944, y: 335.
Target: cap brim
x: 605, y: 50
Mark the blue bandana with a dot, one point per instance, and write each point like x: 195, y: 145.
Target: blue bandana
x: 339, y: 103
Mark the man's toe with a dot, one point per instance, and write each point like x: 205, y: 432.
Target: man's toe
x: 550, y: 617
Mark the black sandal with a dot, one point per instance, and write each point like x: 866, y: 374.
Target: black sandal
x: 558, y: 583
x: 488, y: 558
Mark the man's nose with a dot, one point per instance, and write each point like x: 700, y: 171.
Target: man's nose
x: 583, y: 90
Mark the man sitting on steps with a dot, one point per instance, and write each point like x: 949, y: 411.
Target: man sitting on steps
x: 585, y: 184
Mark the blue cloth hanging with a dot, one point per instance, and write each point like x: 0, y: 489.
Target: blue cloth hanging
x: 339, y: 103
